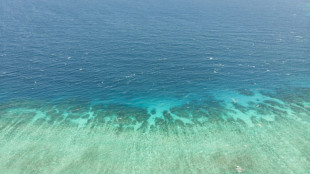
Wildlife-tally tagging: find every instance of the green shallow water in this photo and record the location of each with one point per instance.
(262, 132)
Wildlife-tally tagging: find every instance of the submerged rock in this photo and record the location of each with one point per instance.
(153, 112)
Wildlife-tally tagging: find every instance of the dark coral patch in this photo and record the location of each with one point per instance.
(246, 92)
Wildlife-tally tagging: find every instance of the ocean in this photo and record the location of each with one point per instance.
(145, 86)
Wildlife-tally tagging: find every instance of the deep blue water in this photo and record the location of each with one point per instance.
(141, 50)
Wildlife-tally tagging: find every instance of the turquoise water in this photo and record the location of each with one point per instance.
(154, 86)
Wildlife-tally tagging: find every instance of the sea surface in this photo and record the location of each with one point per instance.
(154, 86)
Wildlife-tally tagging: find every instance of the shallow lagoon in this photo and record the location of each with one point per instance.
(270, 134)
